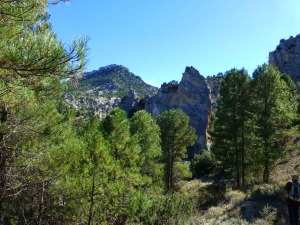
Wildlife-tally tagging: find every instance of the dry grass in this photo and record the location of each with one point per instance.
(221, 212)
(229, 213)
(286, 167)
(259, 206)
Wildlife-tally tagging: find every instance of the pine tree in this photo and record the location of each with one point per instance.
(231, 127)
(176, 135)
(125, 151)
(275, 107)
(146, 131)
(32, 63)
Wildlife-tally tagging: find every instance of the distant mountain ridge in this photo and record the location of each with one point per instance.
(98, 91)
(117, 75)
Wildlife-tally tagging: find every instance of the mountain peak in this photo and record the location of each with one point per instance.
(107, 69)
(192, 76)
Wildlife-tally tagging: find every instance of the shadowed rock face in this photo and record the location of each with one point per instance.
(132, 103)
(286, 57)
(192, 95)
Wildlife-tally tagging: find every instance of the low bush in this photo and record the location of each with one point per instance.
(266, 192)
(203, 164)
(234, 197)
(167, 209)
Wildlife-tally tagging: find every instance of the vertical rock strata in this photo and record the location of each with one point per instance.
(192, 95)
(286, 57)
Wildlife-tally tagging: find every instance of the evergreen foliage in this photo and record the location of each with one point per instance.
(176, 135)
(231, 126)
(254, 121)
(32, 63)
(203, 164)
(147, 132)
(275, 108)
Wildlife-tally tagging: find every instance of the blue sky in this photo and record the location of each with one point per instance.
(157, 39)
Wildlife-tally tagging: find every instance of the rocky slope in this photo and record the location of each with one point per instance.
(286, 57)
(112, 86)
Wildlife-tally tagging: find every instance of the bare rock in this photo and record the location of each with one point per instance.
(191, 95)
(286, 57)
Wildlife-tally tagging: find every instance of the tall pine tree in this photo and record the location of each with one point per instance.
(176, 136)
(275, 107)
(146, 131)
(230, 136)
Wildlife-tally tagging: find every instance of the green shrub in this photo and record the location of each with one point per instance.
(268, 215)
(171, 209)
(159, 209)
(203, 164)
(266, 192)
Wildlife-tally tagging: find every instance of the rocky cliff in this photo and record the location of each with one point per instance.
(286, 57)
(192, 95)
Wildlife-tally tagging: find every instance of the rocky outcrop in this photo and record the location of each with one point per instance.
(286, 57)
(192, 95)
(131, 103)
(214, 84)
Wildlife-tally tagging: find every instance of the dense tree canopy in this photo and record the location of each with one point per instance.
(253, 121)
(146, 131)
(32, 63)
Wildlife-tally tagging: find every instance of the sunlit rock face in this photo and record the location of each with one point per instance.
(286, 57)
(192, 95)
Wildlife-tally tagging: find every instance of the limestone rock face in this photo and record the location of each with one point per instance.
(131, 103)
(192, 95)
(286, 57)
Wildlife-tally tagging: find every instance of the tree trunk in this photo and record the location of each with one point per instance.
(238, 184)
(266, 172)
(169, 172)
(3, 157)
(92, 200)
(237, 156)
(243, 155)
(167, 175)
(172, 174)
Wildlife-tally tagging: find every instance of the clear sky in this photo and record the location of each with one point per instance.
(157, 39)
